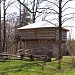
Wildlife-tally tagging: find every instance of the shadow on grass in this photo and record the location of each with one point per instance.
(38, 68)
(18, 68)
(3, 73)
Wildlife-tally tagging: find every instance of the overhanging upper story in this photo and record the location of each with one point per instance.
(42, 30)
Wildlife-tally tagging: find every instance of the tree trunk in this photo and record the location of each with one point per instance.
(60, 34)
(0, 29)
(4, 41)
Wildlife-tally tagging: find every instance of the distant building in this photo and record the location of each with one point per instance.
(41, 38)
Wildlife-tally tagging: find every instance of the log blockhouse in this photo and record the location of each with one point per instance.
(41, 38)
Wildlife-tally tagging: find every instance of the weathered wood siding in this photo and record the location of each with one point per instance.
(27, 34)
(64, 35)
(38, 34)
(43, 33)
(42, 47)
(46, 33)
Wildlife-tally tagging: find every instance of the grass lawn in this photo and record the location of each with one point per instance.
(20, 67)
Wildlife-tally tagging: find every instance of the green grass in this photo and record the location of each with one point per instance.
(19, 67)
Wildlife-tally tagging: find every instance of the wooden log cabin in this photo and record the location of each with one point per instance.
(41, 38)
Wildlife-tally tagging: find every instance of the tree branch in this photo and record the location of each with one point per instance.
(68, 14)
(25, 6)
(9, 5)
(53, 3)
(51, 22)
(66, 19)
(68, 8)
(65, 3)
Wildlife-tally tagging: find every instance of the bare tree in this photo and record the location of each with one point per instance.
(61, 9)
(71, 49)
(5, 8)
(11, 21)
(0, 29)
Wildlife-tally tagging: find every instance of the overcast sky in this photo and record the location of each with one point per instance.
(15, 8)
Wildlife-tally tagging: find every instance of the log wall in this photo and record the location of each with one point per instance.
(43, 33)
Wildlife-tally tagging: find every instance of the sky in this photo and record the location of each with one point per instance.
(69, 24)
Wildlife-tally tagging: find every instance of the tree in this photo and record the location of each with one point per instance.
(11, 21)
(0, 29)
(5, 8)
(60, 21)
(71, 49)
(25, 17)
